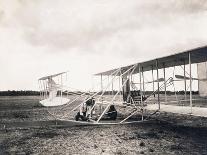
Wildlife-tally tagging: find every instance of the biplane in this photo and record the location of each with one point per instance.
(130, 89)
(49, 90)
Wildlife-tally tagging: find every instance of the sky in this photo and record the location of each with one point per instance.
(43, 37)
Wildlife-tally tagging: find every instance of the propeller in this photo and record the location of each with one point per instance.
(188, 78)
(158, 80)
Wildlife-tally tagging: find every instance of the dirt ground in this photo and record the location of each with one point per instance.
(164, 134)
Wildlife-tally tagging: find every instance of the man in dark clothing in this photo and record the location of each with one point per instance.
(112, 113)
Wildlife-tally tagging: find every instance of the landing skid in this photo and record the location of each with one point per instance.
(94, 123)
(62, 124)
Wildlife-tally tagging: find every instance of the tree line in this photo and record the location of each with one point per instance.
(37, 93)
(19, 93)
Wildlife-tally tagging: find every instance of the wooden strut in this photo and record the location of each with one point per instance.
(141, 98)
(42, 89)
(190, 83)
(61, 91)
(185, 82)
(174, 87)
(108, 81)
(42, 85)
(117, 71)
(133, 68)
(141, 92)
(119, 88)
(80, 97)
(129, 116)
(103, 91)
(165, 82)
(112, 87)
(143, 82)
(158, 85)
(77, 99)
(45, 90)
(101, 86)
(39, 82)
(153, 83)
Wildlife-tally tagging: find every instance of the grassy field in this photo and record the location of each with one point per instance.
(165, 134)
(21, 102)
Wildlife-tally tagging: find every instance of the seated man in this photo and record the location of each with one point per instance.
(112, 113)
(85, 110)
(82, 113)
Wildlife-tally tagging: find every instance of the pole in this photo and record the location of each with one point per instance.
(133, 68)
(40, 85)
(109, 93)
(153, 82)
(158, 86)
(185, 81)
(119, 89)
(190, 82)
(143, 82)
(165, 82)
(101, 87)
(112, 87)
(141, 94)
(61, 88)
(44, 90)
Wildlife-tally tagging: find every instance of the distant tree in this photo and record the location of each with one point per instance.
(19, 93)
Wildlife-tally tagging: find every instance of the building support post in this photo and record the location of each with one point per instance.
(191, 104)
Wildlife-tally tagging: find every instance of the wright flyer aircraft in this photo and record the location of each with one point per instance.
(158, 67)
(141, 90)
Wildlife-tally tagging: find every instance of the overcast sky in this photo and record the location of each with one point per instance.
(42, 37)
